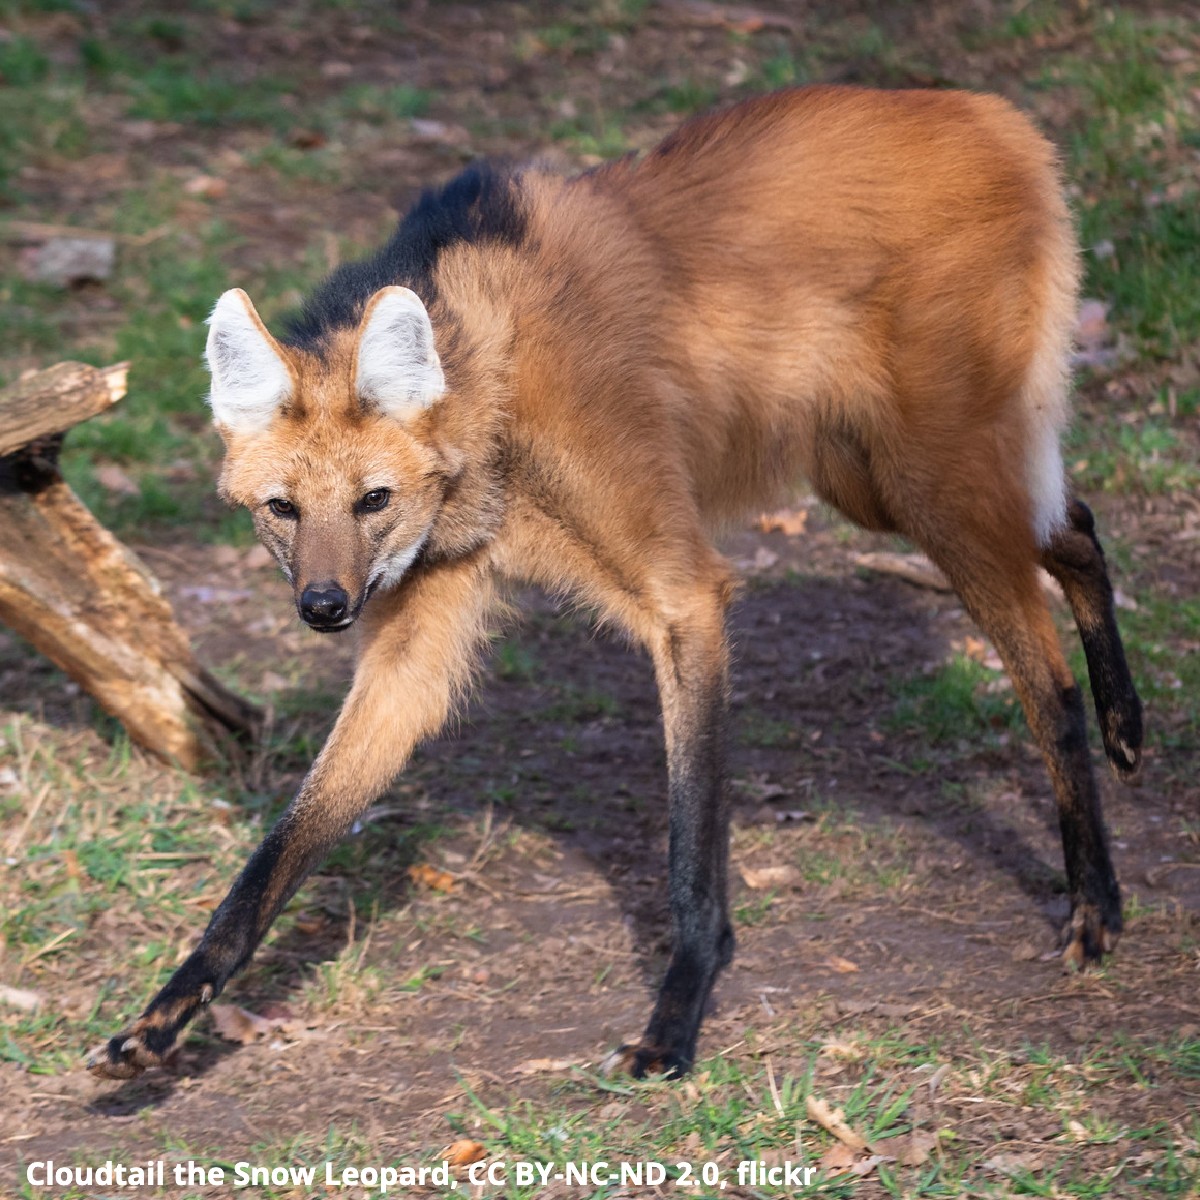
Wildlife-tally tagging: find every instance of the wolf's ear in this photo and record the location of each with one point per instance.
(398, 370)
(250, 380)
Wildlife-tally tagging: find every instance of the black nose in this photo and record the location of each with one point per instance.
(324, 605)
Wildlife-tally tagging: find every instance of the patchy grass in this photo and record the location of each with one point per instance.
(1163, 639)
(207, 97)
(1131, 156)
(961, 699)
(755, 1108)
(103, 832)
(94, 833)
(757, 728)
(1134, 454)
(576, 704)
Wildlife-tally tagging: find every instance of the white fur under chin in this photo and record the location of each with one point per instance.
(249, 379)
(388, 573)
(399, 371)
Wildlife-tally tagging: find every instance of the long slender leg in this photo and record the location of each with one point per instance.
(1075, 559)
(1006, 601)
(419, 650)
(691, 664)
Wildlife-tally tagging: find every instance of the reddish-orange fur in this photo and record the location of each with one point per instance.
(869, 290)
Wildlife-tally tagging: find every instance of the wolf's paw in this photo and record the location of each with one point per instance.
(1126, 763)
(641, 1061)
(1121, 729)
(1124, 750)
(125, 1056)
(148, 1042)
(1088, 937)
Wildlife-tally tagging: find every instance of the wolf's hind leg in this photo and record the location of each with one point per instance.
(1075, 559)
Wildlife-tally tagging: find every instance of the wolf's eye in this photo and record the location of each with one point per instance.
(374, 500)
(282, 508)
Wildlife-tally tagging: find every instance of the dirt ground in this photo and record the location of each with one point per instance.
(941, 916)
(918, 889)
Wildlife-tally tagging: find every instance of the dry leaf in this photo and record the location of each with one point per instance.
(792, 521)
(463, 1152)
(761, 787)
(843, 966)
(307, 139)
(237, 1024)
(310, 923)
(110, 477)
(210, 187)
(1094, 337)
(206, 186)
(241, 1025)
(425, 875)
(1092, 331)
(975, 648)
(740, 18)
(439, 132)
(936, 1079)
(1015, 1163)
(842, 1050)
(909, 1149)
(833, 1120)
(22, 998)
(865, 1166)
(761, 878)
(539, 1066)
(836, 1159)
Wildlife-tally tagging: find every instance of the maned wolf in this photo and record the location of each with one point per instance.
(573, 382)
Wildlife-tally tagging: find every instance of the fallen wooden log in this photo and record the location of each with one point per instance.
(56, 400)
(83, 599)
(917, 569)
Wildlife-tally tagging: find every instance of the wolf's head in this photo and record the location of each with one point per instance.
(336, 456)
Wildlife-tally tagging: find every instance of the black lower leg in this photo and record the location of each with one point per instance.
(702, 937)
(1095, 895)
(265, 885)
(1076, 559)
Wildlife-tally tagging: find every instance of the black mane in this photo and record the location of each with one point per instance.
(478, 205)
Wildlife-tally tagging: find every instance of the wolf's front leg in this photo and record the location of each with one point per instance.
(691, 662)
(419, 649)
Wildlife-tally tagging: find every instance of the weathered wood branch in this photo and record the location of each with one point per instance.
(40, 231)
(86, 601)
(56, 400)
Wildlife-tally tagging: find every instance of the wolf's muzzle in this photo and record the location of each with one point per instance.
(325, 606)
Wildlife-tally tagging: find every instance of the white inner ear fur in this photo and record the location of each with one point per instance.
(398, 369)
(250, 381)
